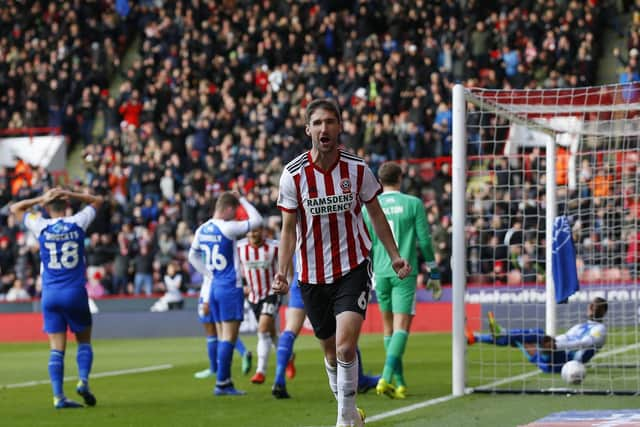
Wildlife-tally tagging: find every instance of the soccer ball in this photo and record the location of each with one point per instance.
(573, 372)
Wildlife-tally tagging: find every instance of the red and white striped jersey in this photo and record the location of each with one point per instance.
(259, 266)
(331, 236)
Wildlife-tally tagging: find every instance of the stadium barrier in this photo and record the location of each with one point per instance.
(25, 327)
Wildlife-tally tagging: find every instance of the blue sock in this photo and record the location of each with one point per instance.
(513, 337)
(212, 351)
(283, 354)
(225, 357)
(84, 358)
(488, 339)
(240, 348)
(56, 371)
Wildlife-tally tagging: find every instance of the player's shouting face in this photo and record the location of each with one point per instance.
(324, 129)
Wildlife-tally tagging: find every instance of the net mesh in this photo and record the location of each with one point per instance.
(595, 132)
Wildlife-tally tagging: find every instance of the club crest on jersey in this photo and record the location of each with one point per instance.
(345, 184)
(59, 227)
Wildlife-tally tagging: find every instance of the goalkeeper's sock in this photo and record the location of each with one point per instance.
(398, 375)
(394, 353)
(212, 352)
(386, 341)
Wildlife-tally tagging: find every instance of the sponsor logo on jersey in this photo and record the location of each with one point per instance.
(329, 204)
(257, 265)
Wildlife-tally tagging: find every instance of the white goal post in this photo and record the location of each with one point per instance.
(521, 160)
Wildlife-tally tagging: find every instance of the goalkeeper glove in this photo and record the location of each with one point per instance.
(434, 282)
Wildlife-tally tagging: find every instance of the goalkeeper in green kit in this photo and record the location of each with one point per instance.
(396, 297)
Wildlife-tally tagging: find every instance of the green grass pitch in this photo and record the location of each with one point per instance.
(172, 397)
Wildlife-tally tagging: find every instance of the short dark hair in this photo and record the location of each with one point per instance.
(600, 308)
(322, 104)
(390, 173)
(57, 205)
(226, 199)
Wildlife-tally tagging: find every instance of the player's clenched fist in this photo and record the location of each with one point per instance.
(401, 267)
(280, 284)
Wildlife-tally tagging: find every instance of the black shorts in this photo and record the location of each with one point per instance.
(324, 302)
(267, 306)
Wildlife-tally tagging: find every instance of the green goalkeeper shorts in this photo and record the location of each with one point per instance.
(395, 295)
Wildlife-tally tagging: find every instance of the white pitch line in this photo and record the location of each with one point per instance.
(98, 375)
(431, 402)
(410, 408)
(443, 399)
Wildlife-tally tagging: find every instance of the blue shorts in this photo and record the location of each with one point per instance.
(225, 305)
(295, 298)
(65, 307)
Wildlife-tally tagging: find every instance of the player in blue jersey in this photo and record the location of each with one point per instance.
(213, 253)
(581, 342)
(212, 338)
(65, 303)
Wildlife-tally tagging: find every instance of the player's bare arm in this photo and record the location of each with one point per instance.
(95, 201)
(19, 208)
(280, 283)
(383, 231)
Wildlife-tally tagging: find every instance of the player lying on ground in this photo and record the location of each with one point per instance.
(581, 342)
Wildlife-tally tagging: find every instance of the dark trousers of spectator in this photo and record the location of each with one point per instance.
(119, 284)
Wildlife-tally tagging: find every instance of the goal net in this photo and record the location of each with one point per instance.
(522, 160)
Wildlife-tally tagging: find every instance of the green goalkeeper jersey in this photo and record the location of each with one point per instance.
(408, 223)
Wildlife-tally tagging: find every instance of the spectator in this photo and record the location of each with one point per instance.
(122, 265)
(172, 282)
(214, 91)
(143, 267)
(17, 292)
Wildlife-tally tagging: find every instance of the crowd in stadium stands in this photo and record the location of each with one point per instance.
(215, 100)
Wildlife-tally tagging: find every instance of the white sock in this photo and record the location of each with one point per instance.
(347, 390)
(264, 347)
(332, 373)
